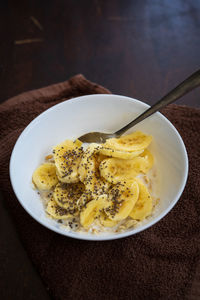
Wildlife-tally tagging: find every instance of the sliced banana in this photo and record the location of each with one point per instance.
(105, 221)
(98, 183)
(122, 198)
(132, 142)
(87, 166)
(89, 170)
(67, 157)
(98, 186)
(56, 211)
(143, 206)
(99, 157)
(148, 161)
(45, 177)
(143, 163)
(92, 210)
(120, 154)
(83, 200)
(115, 170)
(66, 195)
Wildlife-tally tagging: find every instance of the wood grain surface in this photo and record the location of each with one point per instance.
(139, 48)
(136, 48)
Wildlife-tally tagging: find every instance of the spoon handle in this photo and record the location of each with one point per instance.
(183, 88)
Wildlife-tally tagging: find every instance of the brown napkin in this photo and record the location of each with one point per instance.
(159, 263)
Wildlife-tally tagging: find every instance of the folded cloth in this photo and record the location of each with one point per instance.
(159, 263)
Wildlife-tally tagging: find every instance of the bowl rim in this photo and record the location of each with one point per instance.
(107, 236)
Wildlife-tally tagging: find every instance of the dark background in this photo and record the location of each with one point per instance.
(140, 48)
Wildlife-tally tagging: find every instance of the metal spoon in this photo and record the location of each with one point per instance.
(183, 88)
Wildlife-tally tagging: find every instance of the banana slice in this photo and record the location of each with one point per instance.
(115, 170)
(93, 210)
(99, 157)
(148, 161)
(89, 170)
(143, 206)
(87, 166)
(45, 177)
(119, 154)
(122, 198)
(98, 186)
(56, 211)
(143, 163)
(66, 195)
(132, 142)
(105, 221)
(83, 200)
(67, 157)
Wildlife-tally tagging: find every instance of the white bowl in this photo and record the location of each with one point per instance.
(104, 113)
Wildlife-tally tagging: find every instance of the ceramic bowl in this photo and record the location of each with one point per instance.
(105, 113)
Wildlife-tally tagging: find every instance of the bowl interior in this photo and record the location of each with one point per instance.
(104, 113)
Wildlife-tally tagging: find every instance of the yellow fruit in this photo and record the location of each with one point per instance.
(83, 200)
(56, 211)
(99, 157)
(67, 157)
(122, 198)
(115, 169)
(120, 154)
(89, 171)
(78, 143)
(87, 166)
(143, 163)
(45, 177)
(92, 210)
(132, 142)
(143, 206)
(98, 186)
(98, 183)
(148, 161)
(105, 221)
(66, 195)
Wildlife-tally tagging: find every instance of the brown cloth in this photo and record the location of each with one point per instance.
(159, 263)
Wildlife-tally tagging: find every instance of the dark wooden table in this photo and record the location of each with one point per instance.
(138, 48)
